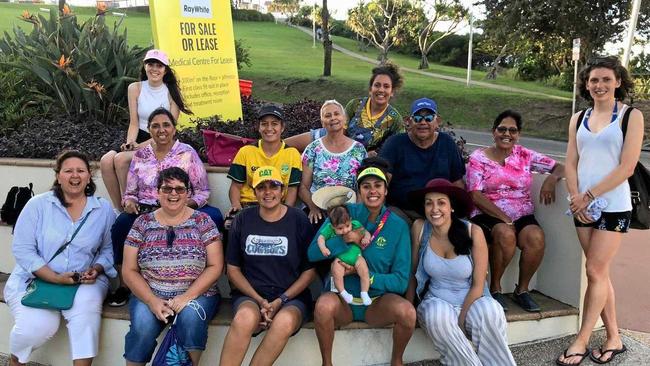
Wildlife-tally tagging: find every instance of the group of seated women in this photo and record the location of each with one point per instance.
(169, 241)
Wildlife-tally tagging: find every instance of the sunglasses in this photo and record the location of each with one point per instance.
(429, 118)
(503, 129)
(178, 190)
(171, 236)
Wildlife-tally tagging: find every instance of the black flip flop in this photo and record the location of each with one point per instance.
(614, 352)
(581, 355)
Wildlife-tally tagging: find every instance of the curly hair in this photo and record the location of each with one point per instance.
(607, 62)
(390, 70)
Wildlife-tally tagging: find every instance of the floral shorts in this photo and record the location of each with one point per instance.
(610, 221)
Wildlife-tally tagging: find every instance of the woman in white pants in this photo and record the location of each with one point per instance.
(450, 272)
(47, 222)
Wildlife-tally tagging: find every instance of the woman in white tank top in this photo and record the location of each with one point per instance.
(158, 88)
(598, 162)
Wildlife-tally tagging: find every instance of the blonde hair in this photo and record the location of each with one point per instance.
(333, 102)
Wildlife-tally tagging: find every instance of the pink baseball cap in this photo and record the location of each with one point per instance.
(157, 55)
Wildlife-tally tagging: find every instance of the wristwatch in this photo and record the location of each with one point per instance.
(284, 298)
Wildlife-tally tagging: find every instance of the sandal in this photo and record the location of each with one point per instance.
(581, 355)
(614, 352)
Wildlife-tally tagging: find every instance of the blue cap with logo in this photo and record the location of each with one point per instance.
(423, 103)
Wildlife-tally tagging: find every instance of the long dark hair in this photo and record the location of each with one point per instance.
(608, 62)
(172, 85)
(56, 187)
(459, 236)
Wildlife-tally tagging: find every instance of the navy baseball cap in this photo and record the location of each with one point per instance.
(272, 111)
(423, 103)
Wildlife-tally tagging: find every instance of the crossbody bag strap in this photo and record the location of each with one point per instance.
(626, 119)
(378, 229)
(65, 245)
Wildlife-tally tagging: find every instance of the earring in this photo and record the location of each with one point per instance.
(452, 210)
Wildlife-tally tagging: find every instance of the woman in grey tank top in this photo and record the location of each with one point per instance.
(599, 160)
(450, 281)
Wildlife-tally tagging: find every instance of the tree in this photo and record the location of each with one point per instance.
(285, 7)
(539, 34)
(435, 13)
(327, 42)
(382, 22)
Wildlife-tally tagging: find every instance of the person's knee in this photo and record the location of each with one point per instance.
(534, 240)
(246, 319)
(504, 236)
(337, 269)
(405, 312)
(284, 324)
(122, 160)
(596, 270)
(25, 334)
(326, 308)
(107, 161)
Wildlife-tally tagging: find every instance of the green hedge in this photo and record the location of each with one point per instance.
(251, 15)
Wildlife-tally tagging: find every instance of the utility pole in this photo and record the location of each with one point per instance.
(313, 25)
(634, 17)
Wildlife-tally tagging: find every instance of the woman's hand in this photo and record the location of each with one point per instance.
(178, 303)
(90, 275)
(68, 278)
(461, 320)
(132, 207)
(579, 202)
(582, 217)
(265, 312)
(547, 192)
(129, 146)
(160, 309)
(354, 236)
(315, 214)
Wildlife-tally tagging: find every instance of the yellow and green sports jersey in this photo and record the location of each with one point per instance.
(250, 157)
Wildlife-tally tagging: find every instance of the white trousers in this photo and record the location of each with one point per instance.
(485, 323)
(33, 327)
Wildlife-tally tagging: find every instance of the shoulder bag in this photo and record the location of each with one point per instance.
(54, 296)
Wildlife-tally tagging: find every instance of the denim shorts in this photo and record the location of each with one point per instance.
(192, 331)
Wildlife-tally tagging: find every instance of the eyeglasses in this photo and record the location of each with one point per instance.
(178, 190)
(171, 235)
(429, 118)
(503, 129)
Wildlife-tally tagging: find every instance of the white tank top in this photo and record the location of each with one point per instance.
(600, 153)
(149, 99)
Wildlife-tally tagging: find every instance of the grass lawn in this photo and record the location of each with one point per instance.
(286, 68)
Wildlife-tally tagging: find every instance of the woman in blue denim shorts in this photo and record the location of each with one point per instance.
(172, 259)
(599, 160)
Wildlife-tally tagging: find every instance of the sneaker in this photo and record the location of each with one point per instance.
(119, 298)
(501, 299)
(525, 301)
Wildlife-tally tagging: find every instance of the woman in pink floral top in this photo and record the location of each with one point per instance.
(499, 179)
(141, 195)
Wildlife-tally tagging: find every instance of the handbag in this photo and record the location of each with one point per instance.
(222, 147)
(171, 352)
(46, 295)
(639, 185)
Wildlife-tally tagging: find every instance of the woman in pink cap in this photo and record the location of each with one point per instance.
(158, 88)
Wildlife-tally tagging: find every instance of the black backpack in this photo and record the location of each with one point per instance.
(16, 199)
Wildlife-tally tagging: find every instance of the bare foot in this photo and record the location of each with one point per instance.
(610, 344)
(578, 352)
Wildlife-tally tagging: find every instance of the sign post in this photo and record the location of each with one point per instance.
(575, 57)
(198, 37)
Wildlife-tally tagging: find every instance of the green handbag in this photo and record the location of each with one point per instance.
(46, 295)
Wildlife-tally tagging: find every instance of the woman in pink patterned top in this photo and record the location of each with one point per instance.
(499, 179)
(141, 195)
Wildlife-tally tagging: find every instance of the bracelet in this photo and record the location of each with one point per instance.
(591, 195)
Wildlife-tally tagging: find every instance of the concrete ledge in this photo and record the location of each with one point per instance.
(47, 163)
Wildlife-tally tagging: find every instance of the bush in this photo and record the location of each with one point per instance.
(242, 54)
(249, 15)
(83, 69)
(19, 100)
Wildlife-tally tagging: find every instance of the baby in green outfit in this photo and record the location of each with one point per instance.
(340, 224)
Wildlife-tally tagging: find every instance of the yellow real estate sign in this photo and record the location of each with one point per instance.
(198, 37)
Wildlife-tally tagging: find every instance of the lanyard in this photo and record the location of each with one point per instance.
(378, 229)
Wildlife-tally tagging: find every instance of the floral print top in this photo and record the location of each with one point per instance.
(171, 269)
(333, 169)
(141, 182)
(507, 186)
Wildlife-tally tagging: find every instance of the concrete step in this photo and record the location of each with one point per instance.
(555, 320)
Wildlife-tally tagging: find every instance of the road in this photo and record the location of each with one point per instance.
(629, 270)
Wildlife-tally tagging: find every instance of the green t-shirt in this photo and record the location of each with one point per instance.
(327, 231)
